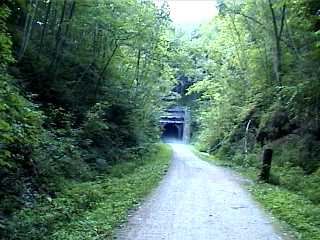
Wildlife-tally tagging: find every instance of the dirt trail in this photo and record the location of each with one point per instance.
(197, 201)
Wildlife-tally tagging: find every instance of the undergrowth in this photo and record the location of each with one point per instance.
(292, 202)
(91, 210)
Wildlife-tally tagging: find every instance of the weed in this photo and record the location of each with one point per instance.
(291, 196)
(91, 210)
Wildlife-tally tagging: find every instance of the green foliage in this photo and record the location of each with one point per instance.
(301, 215)
(5, 41)
(19, 122)
(19, 126)
(240, 62)
(81, 92)
(92, 209)
(258, 85)
(294, 199)
(58, 157)
(96, 127)
(99, 70)
(288, 165)
(117, 57)
(20, 129)
(295, 150)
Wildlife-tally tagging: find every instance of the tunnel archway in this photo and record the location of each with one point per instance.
(175, 125)
(172, 131)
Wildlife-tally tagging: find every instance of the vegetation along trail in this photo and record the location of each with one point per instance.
(88, 88)
(197, 200)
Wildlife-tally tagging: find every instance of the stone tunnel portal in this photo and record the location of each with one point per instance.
(175, 125)
(172, 131)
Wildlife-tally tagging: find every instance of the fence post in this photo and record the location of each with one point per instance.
(266, 165)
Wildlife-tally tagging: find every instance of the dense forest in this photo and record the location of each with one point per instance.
(255, 77)
(253, 84)
(81, 89)
(84, 83)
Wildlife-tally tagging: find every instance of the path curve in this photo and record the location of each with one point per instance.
(197, 201)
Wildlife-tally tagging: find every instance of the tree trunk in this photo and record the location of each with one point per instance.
(246, 137)
(266, 165)
(44, 28)
(277, 31)
(58, 38)
(73, 5)
(27, 30)
(101, 75)
(138, 67)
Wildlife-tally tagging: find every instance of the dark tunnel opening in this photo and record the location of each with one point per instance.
(172, 131)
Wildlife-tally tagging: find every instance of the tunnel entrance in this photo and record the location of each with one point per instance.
(174, 124)
(172, 131)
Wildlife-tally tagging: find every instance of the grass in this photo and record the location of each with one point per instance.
(301, 215)
(92, 210)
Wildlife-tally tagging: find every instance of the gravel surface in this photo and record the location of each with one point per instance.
(199, 201)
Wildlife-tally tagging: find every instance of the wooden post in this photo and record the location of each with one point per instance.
(266, 165)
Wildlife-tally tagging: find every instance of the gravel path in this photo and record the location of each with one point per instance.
(197, 201)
